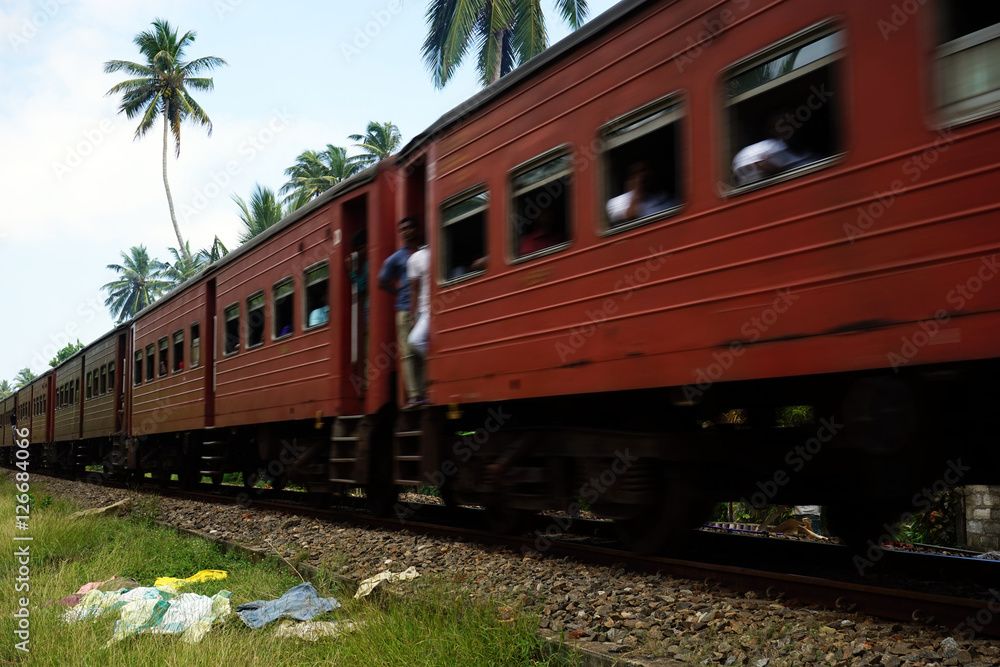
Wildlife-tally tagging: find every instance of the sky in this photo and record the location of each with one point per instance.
(77, 189)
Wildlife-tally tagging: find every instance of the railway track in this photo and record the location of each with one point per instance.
(741, 563)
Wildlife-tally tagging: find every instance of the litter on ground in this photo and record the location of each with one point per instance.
(204, 575)
(369, 584)
(188, 614)
(314, 630)
(301, 602)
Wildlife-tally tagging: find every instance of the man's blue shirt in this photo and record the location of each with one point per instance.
(394, 268)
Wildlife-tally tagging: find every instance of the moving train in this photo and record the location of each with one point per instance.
(683, 209)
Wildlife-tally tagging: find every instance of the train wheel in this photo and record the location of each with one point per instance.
(666, 523)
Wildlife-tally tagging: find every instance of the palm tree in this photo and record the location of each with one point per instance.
(138, 285)
(5, 389)
(161, 89)
(213, 253)
(184, 265)
(337, 163)
(507, 32)
(316, 172)
(308, 178)
(263, 211)
(379, 141)
(23, 377)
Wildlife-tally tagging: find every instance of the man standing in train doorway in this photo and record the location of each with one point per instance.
(393, 279)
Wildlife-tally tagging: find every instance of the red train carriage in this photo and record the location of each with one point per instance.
(682, 210)
(33, 403)
(247, 367)
(7, 437)
(853, 264)
(168, 380)
(68, 409)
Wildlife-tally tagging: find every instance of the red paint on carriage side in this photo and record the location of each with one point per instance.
(7, 435)
(99, 418)
(291, 376)
(67, 405)
(654, 305)
(39, 406)
(174, 400)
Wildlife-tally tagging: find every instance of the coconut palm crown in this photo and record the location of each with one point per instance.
(160, 88)
(138, 285)
(379, 141)
(507, 33)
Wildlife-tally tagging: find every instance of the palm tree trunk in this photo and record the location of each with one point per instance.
(495, 65)
(170, 199)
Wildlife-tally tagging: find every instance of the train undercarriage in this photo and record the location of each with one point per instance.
(870, 447)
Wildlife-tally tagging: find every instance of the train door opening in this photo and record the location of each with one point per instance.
(354, 227)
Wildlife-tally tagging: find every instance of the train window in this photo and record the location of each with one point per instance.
(150, 363)
(178, 351)
(255, 320)
(232, 332)
(642, 164)
(138, 368)
(95, 389)
(968, 60)
(76, 392)
(90, 393)
(111, 377)
(540, 207)
(463, 234)
(195, 345)
(104, 380)
(284, 293)
(317, 308)
(163, 363)
(781, 108)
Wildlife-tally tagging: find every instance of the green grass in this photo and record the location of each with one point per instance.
(427, 624)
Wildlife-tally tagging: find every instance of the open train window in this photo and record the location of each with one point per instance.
(111, 376)
(195, 345)
(540, 206)
(642, 164)
(104, 380)
(96, 388)
(968, 60)
(137, 380)
(178, 351)
(284, 301)
(76, 392)
(163, 363)
(90, 393)
(255, 320)
(317, 308)
(781, 108)
(150, 363)
(232, 330)
(463, 234)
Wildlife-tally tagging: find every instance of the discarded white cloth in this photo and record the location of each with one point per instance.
(301, 602)
(188, 613)
(369, 584)
(314, 630)
(97, 602)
